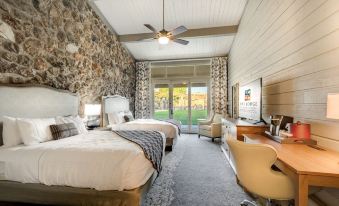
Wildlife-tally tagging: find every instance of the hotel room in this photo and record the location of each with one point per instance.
(169, 102)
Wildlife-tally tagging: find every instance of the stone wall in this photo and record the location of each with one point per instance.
(63, 44)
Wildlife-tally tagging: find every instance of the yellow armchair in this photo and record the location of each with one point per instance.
(211, 128)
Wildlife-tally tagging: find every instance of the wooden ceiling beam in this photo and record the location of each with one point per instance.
(191, 33)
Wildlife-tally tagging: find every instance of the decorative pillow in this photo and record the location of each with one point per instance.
(34, 131)
(60, 131)
(128, 116)
(76, 120)
(10, 132)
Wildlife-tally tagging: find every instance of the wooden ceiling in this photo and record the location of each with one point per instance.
(212, 25)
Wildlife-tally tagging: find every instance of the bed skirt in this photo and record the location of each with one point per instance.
(62, 195)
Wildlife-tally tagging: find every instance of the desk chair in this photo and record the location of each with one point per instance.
(253, 166)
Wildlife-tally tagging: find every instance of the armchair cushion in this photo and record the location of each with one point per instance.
(212, 127)
(212, 130)
(205, 122)
(205, 127)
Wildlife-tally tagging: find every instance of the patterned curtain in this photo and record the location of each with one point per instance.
(143, 91)
(219, 85)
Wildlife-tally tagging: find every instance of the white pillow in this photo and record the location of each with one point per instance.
(121, 118)
(76, 120)
(116, 118)
(10, 132)
(34, 131)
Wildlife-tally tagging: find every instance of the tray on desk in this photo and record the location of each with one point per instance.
(290, 140)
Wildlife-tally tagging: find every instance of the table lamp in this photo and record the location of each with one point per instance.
(333, 106)
(92, 112)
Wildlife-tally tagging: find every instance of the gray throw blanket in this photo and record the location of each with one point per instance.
(175, 123)
(151, 143)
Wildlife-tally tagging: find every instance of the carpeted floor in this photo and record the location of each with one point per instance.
(195, 173)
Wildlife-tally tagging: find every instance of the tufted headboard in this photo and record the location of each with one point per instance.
(110, 104)
(35, 101)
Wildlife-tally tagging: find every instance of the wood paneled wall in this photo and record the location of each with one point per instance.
(294, 46)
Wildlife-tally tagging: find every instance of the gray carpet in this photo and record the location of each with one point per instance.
(195, 173)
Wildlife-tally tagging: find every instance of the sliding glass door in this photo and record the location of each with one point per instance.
(184, 102)
(161, 101)
(199, 104)
(180, 111)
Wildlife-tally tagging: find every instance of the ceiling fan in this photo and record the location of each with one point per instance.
(165, 36)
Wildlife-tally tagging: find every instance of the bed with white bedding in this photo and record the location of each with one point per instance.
(170, 130)
(115, 108)
(93, 168)
(101, 160)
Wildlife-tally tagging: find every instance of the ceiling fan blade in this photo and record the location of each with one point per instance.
(150, 28)
(179, 30)
(181, 41)
(146, 40)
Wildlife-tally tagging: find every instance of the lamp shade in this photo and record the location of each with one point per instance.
(301, 130)
(92, 109)
(333, 106)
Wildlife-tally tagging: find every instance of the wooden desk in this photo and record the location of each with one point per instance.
(306, 166)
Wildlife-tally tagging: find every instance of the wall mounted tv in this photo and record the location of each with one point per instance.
(250, 101)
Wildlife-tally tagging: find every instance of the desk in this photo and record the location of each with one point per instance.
(306, 166)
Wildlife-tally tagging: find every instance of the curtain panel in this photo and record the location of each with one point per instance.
(143, 90)
(219, 85)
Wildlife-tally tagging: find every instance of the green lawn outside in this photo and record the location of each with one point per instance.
(182, 115)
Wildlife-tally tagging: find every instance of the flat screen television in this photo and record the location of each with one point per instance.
(250, 101)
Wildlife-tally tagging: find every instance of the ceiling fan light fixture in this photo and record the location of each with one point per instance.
(165, 36)
(163, 40)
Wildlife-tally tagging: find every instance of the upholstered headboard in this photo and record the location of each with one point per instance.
(111, 104)
(35, 101)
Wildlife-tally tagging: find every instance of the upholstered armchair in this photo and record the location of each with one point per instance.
(211, 128)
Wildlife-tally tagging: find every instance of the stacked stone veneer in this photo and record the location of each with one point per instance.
(63, 44)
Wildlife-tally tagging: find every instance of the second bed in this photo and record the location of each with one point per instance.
(119, 106)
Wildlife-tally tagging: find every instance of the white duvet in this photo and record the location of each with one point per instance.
(100, 159)
(170, 130)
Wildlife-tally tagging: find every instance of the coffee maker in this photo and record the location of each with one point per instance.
(279, 122)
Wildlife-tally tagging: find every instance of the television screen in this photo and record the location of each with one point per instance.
(250, 101)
